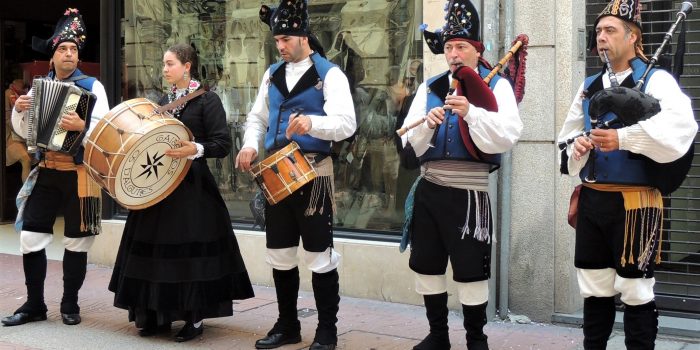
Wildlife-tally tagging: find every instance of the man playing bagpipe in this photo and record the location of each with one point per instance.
(620, 209)
(458, 135)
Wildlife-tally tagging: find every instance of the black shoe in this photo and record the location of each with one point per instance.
(71, 319)
(434, 342)
(22, 318)
(319, 346)
(276, 340)
(189, 332)
(150, 331)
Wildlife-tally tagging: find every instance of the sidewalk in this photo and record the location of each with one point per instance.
(363, 324)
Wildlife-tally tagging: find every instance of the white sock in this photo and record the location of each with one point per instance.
(198, 324)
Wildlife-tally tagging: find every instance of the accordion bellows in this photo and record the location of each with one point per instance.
(51, 100)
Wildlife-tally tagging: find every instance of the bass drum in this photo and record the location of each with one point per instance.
(125, 153)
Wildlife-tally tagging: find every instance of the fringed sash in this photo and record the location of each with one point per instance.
(644, 214)
(89, 192)
(323, 183)
(23, 195)
(482, 227)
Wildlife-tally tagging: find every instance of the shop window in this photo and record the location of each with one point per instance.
(375, 43)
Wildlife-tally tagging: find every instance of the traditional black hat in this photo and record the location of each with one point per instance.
(462, 23)
(290, 18)
(70, 27)
(626, 10)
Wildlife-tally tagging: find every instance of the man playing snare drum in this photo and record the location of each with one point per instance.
(60, 183)
(306, 99)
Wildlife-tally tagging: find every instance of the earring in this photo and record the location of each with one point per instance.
(185, 76)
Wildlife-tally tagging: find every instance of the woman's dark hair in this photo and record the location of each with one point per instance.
(186, 53)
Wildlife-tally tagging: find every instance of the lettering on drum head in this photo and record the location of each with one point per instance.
(147, 171)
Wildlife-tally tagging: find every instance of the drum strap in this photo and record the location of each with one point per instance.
(180, 101)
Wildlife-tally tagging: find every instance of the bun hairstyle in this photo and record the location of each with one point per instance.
(186, 53)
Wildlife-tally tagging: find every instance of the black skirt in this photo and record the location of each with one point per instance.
(179, 259)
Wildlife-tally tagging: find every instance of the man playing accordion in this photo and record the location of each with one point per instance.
(458, 145)
(620, 209)
(59, 182)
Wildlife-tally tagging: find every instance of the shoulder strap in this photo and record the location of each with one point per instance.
(77, 77)
(180, 101)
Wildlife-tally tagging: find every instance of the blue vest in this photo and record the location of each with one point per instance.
(85, 83)
(616, 167)
(449, 145)
(306, 98)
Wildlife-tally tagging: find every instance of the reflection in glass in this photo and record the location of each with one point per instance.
(374, 42)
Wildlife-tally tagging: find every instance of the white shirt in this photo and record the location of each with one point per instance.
(339, 122)
(100, 109)
(664, 137)
(492, 132)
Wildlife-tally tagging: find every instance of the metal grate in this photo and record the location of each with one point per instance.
(678, 276)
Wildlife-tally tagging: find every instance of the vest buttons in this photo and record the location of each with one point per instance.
(449, 140)
(448, 153)
(450, 126)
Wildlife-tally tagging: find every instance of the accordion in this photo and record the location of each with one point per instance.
(51, 100)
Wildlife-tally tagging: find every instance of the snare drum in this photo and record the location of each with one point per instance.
(125, 153)
(282, 173)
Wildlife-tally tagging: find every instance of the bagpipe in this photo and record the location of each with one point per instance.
(630, 106)
(467, 82)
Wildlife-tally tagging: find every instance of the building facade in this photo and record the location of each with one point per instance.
(379, 46)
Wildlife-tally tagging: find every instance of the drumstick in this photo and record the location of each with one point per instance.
(291, 117)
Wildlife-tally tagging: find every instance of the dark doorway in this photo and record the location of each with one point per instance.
(19, 22)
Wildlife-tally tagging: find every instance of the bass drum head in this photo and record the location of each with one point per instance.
(146, 175)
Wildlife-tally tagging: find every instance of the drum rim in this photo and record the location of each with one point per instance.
(111, 180)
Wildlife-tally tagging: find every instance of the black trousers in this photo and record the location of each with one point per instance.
(600, 235)
(439, 214)
(287, 221)
(55, 191)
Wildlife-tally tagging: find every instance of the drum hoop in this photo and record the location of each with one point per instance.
(125, 136)
(261, 166)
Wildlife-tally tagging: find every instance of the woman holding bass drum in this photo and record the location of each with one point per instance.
(179, 259)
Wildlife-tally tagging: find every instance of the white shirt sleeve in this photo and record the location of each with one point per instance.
(339, 122)
(666, 136)
(19, 119)
(496, 132)
(573, 126)
(258, 118)
(100, 109)
(492, 132)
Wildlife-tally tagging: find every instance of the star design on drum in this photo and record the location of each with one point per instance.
(151, 165)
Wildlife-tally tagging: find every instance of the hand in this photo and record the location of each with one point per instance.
(299, 124)
(458, 104)
(245, 157)
(582, 145)
(605, 139)
(184, 149)
(23, 103)
(72, 122)
(435, 117)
